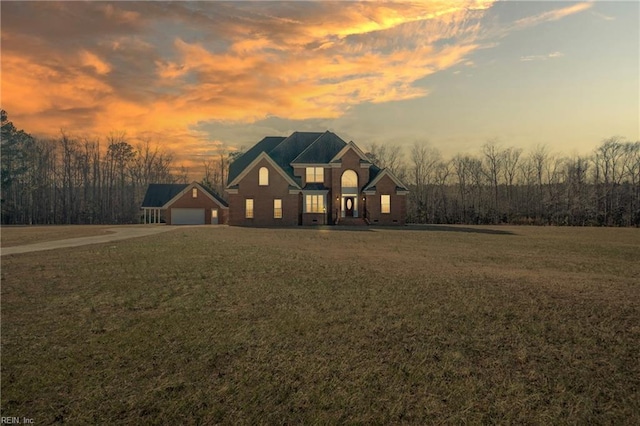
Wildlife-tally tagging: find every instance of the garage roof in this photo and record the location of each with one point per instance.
(159, 194)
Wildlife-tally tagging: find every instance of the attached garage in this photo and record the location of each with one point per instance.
(182, 204)
(187, 216)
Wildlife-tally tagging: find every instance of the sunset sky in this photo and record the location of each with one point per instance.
(191, 76)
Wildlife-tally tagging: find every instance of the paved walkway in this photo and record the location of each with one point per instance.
(117, 234)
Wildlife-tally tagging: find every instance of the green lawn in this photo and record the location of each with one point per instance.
(261, 326)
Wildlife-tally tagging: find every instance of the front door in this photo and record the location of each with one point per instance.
(348, 206)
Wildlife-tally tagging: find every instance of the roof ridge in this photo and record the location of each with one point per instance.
(310, 145)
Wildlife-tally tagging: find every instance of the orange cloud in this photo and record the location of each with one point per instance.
(89, 59)
(223, 61)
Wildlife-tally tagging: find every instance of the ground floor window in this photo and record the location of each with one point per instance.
(248, 208)
(314, 203)
(277, 208)
(385, 204)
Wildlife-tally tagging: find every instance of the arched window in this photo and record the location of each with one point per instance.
(349, 179)
(264, 176)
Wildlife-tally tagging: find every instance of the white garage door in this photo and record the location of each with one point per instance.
(187, 216)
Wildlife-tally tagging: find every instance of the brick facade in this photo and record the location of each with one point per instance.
(263, 196)
(291, 187)
(349, 161)
(398, 211)
(186, 201)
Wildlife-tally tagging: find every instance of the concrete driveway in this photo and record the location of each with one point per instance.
(118, 233)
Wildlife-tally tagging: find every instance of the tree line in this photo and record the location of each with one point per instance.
(506, 185)
(69, 180)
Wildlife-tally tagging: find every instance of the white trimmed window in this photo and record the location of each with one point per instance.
(385, 204)
(264, 177)
(248, 208)
(277, 208)
(349, 180)
(314, 203)
(194, 193)
(315, 174)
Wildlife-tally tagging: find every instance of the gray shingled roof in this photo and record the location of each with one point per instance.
(281, 150)
(159, 193)
(314, 187)
(373, 172)
(322, 150)
(290, 148)
(265, 145)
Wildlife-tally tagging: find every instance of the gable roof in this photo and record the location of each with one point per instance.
(322, 150)
(385, 172)
(301, 148)
(354, 147)
(280, 149)
(241, 163)
(159, 193)
(264, 156)
(206, 191)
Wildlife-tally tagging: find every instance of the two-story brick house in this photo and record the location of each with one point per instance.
(312, 178)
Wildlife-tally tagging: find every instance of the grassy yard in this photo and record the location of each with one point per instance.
(298, 326)
(20, 235)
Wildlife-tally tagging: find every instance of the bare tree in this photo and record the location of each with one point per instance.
(442, 174)
(632, 166)
(609, 162)
(494, 161)
(511, 156)
(423, 162)
(388, 156)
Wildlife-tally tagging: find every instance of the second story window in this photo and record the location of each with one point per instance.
(264, 177)
(315, 174)
(194, 193)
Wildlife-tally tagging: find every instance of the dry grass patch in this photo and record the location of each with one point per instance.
(21, 235)
(253, 326)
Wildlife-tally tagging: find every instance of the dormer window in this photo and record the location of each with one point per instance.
(264, 177)
(315, 174)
